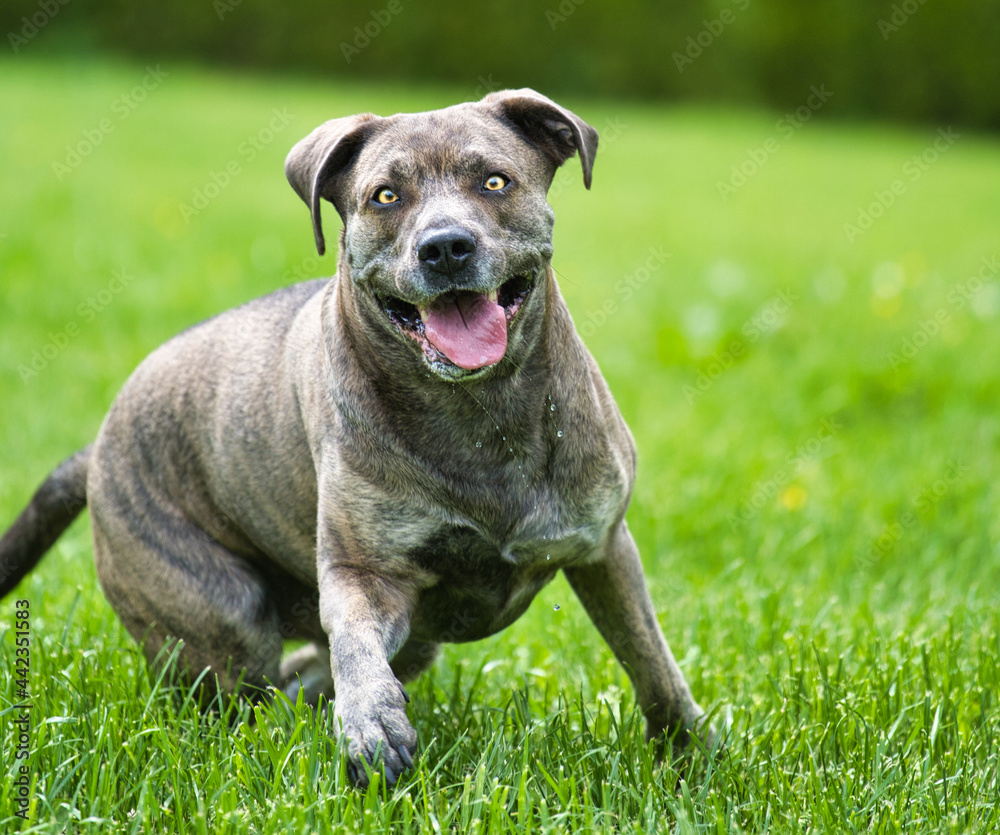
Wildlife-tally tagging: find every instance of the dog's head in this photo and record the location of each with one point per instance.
(447, 231)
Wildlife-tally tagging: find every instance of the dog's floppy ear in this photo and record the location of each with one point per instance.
(315, 164)
(557, 131)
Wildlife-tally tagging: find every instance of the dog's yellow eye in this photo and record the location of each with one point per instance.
(386, 195)
(495, 182)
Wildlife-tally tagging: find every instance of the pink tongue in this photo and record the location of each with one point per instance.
(467, 328)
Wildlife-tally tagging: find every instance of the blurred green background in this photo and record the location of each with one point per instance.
(913, 59)
(788, 270)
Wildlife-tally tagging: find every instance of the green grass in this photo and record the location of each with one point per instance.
(819, 524)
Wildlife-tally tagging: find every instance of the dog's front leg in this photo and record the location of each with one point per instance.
(613, 591)
(367, 617)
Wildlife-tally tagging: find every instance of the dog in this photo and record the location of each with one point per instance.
(376, 463)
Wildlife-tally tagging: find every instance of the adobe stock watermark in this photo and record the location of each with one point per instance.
(786, 126)
(901, 14)
(913, 169)
(305, 270)
(121, 108)
(768, 317)
(364, 35)
(224, 7)
(486, 84)
(562, 12)
(768, 489)
(695, 45)
(961, 295)
(624, 289)
(921, 504)
(86, 311)
(246, 151)
(47, 9)
(20, 792)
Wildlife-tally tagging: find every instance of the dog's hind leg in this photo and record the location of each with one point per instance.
(168, 579)
(308, 669)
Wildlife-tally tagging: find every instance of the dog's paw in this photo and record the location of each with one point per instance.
(377, 729)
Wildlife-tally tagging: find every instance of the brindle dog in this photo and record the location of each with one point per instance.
(398, 456)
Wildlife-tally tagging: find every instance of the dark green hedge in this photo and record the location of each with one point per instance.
(926, 60)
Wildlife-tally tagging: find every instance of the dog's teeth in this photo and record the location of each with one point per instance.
(493, 295)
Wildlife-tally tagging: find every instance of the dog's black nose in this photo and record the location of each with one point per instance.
(446, 251)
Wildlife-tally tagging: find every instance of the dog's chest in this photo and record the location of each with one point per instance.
(479, 584)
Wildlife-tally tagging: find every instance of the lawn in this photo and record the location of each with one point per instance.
(800, 320)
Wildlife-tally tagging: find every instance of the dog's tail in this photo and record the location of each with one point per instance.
(55, 504)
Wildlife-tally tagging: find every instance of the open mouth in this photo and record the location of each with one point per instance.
(462, 328)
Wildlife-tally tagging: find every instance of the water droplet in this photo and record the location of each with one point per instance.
(548, 556)
(555, 608)
(552, 408)
(559, 433)
(479, 444)
(510, 449)
(504, 437)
